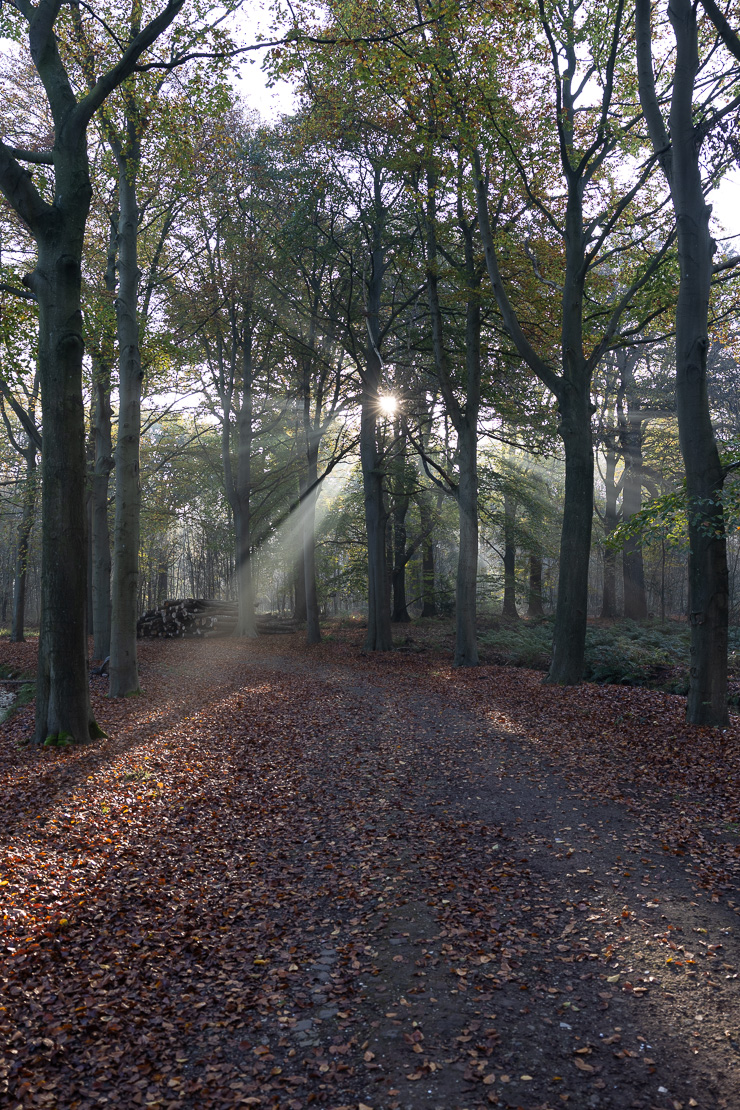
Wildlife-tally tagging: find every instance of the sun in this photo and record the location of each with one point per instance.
(388, 404)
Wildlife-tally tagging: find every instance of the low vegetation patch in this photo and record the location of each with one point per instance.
(624, 653)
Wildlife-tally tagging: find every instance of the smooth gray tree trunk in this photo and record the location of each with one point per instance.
(633, 569)
(242, 492)
(508, 612)
(62, 686)
(299, 586)
(101, 419)
(124, 672)
(28, 517)
(466, 641)
(678, 148)
(611, 519)
(100, 529)
(534, 596)
(571, 610)
(379, 636)
(429, 603)
(400, 612)
(313, 627)
(312, 434)
(464, 417)
(580, 158)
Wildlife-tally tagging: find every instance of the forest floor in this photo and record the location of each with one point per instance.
(297, 878)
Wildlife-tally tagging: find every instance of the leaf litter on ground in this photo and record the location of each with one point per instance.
(327, 879)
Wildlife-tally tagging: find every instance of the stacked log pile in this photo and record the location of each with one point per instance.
(197, 616)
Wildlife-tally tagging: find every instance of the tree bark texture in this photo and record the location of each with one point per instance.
(124, 672)
(466, 641)
(679, 150)
(463, 416)
(509, 612)
(62, 687)
(28, 516)
(58, 228)
(101, 554)
(379, 636)
(247, 623)
(569, 636)
(400, 613)
(299, 586)
(308, 507)
(313, 627)
(611, 519)
(429, 603)
(633, 569)
(102, 415)
(534, 596)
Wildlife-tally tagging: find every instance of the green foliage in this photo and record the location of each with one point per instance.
(624, 653)
(521, 645)
(631, 654)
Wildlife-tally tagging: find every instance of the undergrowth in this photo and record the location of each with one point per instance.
(624, 653)
(22, 695)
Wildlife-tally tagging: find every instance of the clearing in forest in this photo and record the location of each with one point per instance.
(296, 879)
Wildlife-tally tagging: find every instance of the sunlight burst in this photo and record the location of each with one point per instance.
(388, 404)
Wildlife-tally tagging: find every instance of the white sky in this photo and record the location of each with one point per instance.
(270, 103)
(252, 83)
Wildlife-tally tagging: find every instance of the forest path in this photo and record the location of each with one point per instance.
(539, 923)
(334, 881)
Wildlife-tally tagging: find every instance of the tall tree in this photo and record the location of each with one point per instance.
(131, 118)
(461, 392)
(99, 323)
(678, 139)
(593, 215)
(58, 227)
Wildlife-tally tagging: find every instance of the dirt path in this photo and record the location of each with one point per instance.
(349, 889)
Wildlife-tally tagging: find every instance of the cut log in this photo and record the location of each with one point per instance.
(204, 617)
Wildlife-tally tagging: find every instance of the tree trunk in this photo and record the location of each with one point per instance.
(101, 558)
(379, 636)
(464, 418)
(633, 570)
(246, 623)
(569, 635)
(102, 415)
(509, 612)
(124, 673)
(299, 586)
(400, 613)
(300, 609)
(611, 519)
(679, 153)
(25, 527)
(534, 599)
(466, 645)
(708, 577)
(313, 627)
(62, 686)
(429, 604)
(163, 576)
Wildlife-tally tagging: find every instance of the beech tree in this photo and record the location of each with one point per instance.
(307, 275)
(19, 390)
(602, 226)
(678, 138)
(57, 224)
